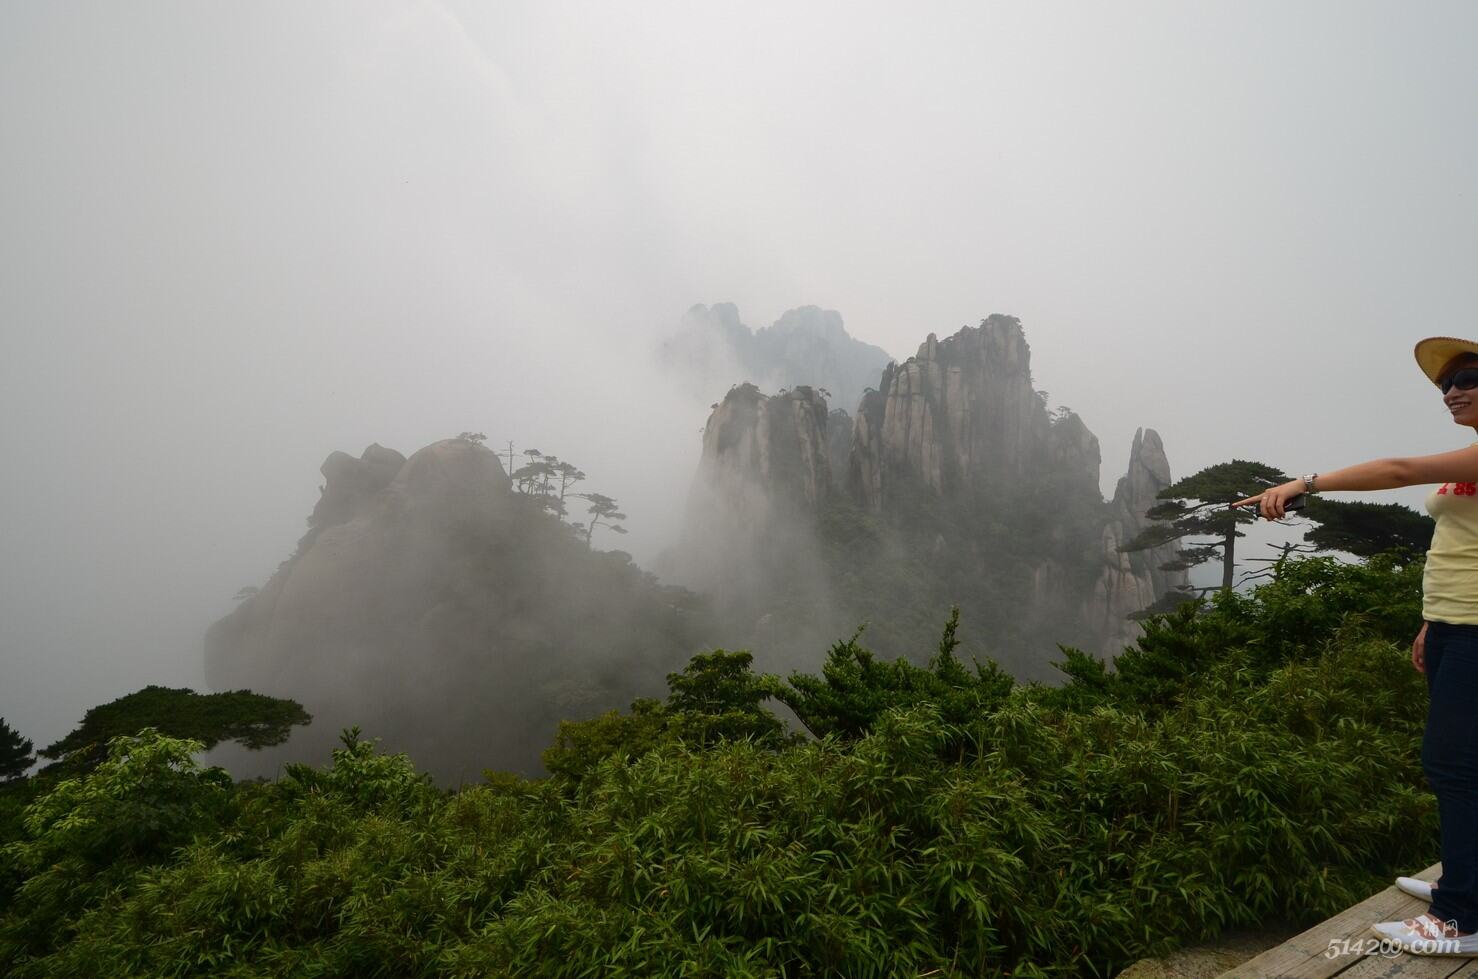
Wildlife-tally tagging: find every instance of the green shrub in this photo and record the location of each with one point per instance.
(855, 688)
(87, 835)
(944, 823)
(717, 697)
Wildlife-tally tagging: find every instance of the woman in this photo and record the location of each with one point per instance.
(1445, 650)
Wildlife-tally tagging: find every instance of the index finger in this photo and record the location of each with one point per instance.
(1250, 499)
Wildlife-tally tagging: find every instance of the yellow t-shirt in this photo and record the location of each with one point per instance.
(1450, 581)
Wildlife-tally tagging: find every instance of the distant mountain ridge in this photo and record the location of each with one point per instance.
(439, 606)
(713, 348)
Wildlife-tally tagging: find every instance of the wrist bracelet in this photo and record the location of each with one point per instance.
(1309, 482)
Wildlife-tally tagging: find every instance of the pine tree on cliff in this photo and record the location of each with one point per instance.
(250, 719)
(1197, 506)
(1368, 529)
(603, 508)
(16, 756)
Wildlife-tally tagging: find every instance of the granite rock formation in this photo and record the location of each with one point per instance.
(1132, 581)
(433, 605)
(359, 571)
(775, 443)
(970, 490)
(349, 483)
(749, 540)
(838, 441)
(1138, 490)
(960, 412)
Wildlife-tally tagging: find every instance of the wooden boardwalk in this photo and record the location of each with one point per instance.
(1345, 946)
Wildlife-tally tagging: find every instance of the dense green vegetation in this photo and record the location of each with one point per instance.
(1252, 758)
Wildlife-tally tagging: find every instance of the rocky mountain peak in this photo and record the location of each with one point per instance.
(808, 322)
(753, 507)
(350, 483)
(1132, 581)
(976, 492)
(960, 413)
(1072, 452)
(1149, 472)
(776, 444)
(437, 606)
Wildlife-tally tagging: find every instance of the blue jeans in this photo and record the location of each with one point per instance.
(1450, 760)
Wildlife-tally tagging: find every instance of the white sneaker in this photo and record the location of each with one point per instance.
(1424, 935)
(1416, 888)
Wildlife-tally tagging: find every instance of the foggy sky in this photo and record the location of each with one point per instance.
(234, 238)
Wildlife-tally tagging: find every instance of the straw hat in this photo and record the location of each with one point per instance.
(1435, 353)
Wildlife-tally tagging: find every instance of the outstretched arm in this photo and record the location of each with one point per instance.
(1458, 466)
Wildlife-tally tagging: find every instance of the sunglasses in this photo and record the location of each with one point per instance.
(1464, 380)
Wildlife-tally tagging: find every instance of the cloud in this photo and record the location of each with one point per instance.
(233, 240)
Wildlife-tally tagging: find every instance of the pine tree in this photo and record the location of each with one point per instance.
(603, 508)
(1197, 505)
(251, 719)
(1367, 529)
(16, 756)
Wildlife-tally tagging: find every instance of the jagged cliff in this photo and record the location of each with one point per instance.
(958, 487)
(1138, 489)
(960, 413)
(749, 541)
(776, 445)
(436, 607)
(1133, 581)
(362, 572)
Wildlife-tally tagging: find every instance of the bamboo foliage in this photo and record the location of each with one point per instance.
(1218, 777)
